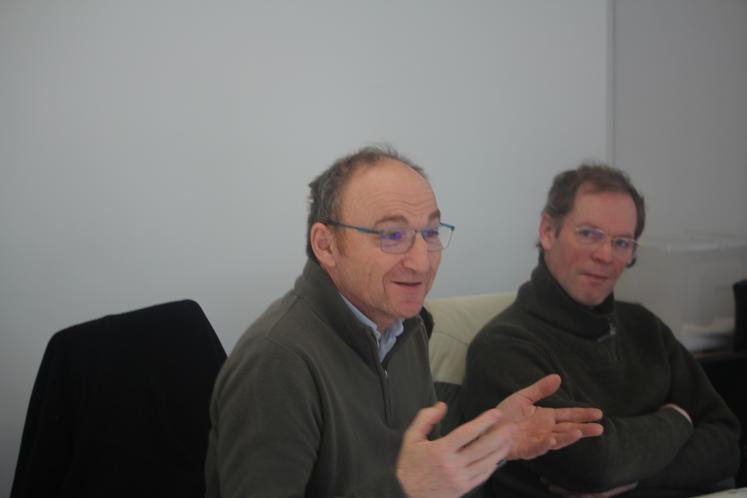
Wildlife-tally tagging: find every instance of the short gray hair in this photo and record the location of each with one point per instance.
(325, 189)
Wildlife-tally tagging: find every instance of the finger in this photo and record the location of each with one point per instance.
(572, 494)
(478, 479)
(587, 429)
(616, 491)
(542, 388)
(577, 414)
(591, 430)
(482, 468)
(491, 446)
(555, 489)
(625, 488)
(563, 439)
(423, 423)
(569, 435)
(468, 432)
(483, 474)
(536, 449)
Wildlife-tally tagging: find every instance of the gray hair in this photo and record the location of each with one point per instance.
(326, 189)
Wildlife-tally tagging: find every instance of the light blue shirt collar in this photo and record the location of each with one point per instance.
(386, 339)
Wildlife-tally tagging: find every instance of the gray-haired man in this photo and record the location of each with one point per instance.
(329, 392)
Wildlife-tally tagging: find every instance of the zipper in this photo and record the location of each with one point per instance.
(383, 376)
(610, 333)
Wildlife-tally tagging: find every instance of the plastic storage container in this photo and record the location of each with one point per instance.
(687, 281)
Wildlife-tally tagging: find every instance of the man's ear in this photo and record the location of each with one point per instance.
(547, 231)
(323, 244)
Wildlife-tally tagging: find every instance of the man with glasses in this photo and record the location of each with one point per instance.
(666, 431)
(329, 392)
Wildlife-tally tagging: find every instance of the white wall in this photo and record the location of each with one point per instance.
(151, 151)
(680, 128)
(680, 117)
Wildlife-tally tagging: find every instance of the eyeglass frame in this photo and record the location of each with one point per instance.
(411, 232)
(629, 256)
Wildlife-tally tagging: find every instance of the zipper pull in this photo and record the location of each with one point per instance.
(610, 334)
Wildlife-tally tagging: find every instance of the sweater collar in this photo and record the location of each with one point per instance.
(544, 297)
(316, 288)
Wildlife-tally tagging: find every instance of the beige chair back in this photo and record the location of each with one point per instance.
(456, 322)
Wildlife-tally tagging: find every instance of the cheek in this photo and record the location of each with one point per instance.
(619, 268)
(435, 258)
(576, 262)
(387, 271)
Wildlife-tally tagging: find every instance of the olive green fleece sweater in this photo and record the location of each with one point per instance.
(620, 358)
(303, 406)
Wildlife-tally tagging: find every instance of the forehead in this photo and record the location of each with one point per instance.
(614, 212)
(387, 189)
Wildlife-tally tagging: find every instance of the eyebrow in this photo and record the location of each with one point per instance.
(435, 215)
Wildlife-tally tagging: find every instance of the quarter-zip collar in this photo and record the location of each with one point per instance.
(385, 339)
(316, 288)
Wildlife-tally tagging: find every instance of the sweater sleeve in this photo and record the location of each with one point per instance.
(711, 453)
(631, 448)
(267, 428)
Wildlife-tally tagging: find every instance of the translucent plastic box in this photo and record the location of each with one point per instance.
(687, 281)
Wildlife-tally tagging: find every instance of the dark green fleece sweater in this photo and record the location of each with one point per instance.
(620, 358)
(304, 407)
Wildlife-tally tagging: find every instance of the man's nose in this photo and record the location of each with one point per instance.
(417, 257)
(603, 252)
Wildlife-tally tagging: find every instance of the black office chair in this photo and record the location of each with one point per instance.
(120, 407)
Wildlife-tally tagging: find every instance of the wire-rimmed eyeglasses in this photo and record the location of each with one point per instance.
(623, 248)
(399, 240)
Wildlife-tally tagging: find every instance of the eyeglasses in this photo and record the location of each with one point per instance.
(623, 248)
(399, 240)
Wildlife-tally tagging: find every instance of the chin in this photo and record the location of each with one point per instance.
(410, 310)
(588, 299)
(596, 300)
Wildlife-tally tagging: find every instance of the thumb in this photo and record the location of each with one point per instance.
(423, 423)
(542, 388)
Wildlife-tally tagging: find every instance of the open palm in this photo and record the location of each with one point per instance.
(543, 429)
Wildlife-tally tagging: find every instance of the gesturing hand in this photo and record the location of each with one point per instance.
(456, 463)
(542, 429)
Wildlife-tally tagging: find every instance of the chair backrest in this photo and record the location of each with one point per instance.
(456, 321)
(740, 315)
(727, 371)
(120, 407)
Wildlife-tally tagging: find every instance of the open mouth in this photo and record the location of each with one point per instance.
(410, 285)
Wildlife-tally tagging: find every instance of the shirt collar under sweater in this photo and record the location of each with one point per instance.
(316, 288)
(543, 297)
